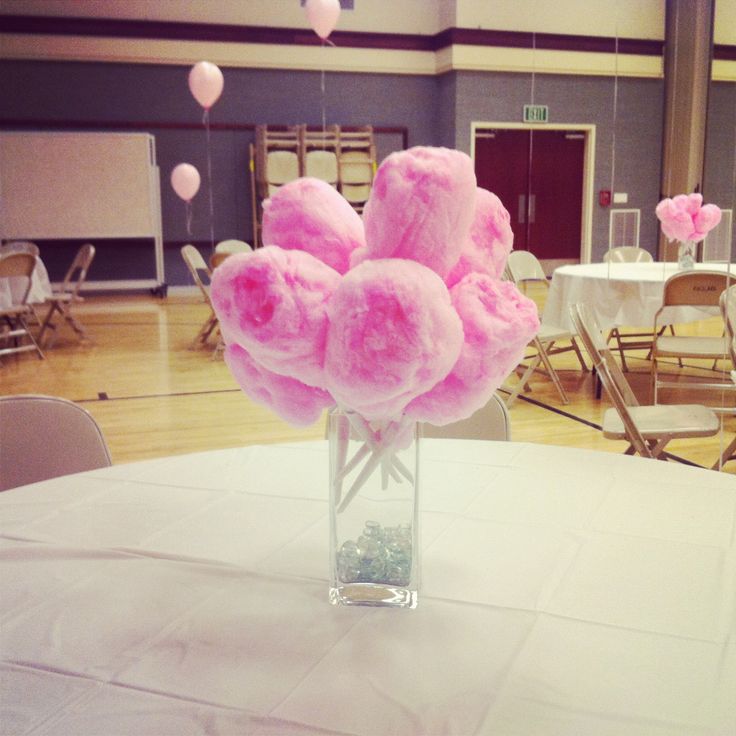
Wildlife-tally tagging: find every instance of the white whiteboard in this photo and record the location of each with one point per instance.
(59, 185)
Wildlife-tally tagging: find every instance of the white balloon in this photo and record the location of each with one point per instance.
(322, 16)
(185, 180)
(206, 83)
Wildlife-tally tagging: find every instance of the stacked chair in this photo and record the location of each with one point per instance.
(345, 159)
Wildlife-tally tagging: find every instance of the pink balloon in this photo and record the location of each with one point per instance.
(206, 83)
(322, 16)
(185, 181)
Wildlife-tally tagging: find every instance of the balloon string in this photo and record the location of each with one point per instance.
(188, 210)
(206, 121)
(323, 96)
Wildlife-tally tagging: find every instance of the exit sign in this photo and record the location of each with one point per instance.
(536, 114)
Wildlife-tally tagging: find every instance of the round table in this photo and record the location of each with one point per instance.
(564, 591)
(621, 294)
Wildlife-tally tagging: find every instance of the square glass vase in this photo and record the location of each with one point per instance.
(374, 484)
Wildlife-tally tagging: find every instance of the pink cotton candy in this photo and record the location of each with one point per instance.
(308, 214)
(498, 322)
(490, 241)
(420, 208)
(685, 217)
(272, 302)
(393, 334)
(290, 399)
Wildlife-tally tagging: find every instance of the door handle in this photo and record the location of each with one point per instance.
(522, 209)
(532, 207)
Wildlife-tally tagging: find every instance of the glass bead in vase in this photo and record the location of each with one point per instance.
(686, 252)
(374, 544)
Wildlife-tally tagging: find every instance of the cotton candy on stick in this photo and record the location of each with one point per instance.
(498, 323)
(292, 400)
(273, 303)
(392, 335)
(308, 214)
(489, 242)
(420, 208)
(686, 218)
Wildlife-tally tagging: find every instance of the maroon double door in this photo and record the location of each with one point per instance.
(538, 175)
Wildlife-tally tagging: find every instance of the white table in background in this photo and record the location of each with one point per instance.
(564, 592)
(13, 287)
(621, 294)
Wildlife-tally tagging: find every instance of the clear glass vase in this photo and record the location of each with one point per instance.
(686, 252)
(374, 483)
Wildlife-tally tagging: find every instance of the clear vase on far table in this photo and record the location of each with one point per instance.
(686, 253)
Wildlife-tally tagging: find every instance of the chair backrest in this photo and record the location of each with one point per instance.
(233, 246)
(281, 168)
(489, 423)
(627, 254)
(611, 376)
(77, 271)
(321, 165)
(18, 264)
(695, 288)
(524, 266)
(197, 268)
(218, 258)
(45, 437)
(20, 246)
(728, 310)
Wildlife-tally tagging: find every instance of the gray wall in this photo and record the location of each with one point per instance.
(69, 92)
(435, 110)
(588, 100)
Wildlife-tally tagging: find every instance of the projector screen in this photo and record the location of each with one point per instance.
(59, 185)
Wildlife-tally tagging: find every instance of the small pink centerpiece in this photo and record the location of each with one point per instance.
(685, 218)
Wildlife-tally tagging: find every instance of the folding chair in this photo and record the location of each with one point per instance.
(627, 254)
(727, 304)
(647, 429)
(320, 151)
(199, 270)
(488, 423)
(357, 165)
(46, 437)
(62, 300)
(695, 289)
(233, 246)
(13, 317)
(522, 268)
(631, 340)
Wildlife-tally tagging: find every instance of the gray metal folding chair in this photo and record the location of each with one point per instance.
(523, 267)
(489, 423)
(44, 437)
(15, 336)
(647, 429)
(62, 300)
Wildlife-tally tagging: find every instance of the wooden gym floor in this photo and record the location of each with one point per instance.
(153, 396)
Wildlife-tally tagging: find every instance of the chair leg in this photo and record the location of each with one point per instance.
(47, 324)
(523, 381)
(576, 348)
(728, 454)
(552, 374)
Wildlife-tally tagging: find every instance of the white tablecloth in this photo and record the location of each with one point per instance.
(621, 294)
(564, 592)
(12, 288)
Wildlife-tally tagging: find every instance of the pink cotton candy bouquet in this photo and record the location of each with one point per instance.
(397, 317)
(686, 218)
(399, 313)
